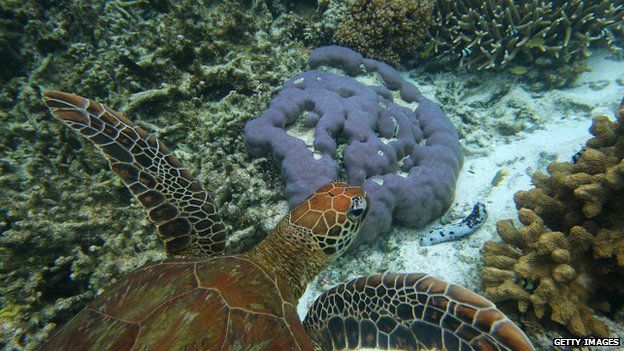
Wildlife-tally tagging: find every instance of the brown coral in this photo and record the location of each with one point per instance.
(384, 30)
(567, 260)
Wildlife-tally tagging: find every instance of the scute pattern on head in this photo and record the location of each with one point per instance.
(333, 215)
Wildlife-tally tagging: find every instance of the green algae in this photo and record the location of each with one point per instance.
(191, 72)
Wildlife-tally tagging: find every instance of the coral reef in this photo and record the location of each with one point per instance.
(566, 262)
(496, 33)
(379, 132)
(384, 30)
(199, 69)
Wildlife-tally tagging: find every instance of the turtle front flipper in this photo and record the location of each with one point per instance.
(186, 218)
(409, 312)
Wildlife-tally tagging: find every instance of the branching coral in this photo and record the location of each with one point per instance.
(567, 261)
(384, 30)
(491, 34)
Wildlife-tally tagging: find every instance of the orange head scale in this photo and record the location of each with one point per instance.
(333, 215)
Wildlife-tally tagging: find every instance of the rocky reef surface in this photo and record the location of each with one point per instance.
(191, 72)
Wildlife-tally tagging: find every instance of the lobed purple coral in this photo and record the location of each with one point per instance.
(379, 132)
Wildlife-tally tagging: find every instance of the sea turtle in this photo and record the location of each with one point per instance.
(205, 300)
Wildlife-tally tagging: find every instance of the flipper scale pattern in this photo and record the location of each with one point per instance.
(401, 311)
(186, 218)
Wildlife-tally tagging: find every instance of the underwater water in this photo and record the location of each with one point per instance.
(530, 126)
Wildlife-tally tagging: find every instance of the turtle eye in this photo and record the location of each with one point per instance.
(355, 213)
(358, 209)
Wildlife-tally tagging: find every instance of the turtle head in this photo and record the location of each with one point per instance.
(333, 215)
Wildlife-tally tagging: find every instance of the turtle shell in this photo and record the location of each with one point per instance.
(224, 303)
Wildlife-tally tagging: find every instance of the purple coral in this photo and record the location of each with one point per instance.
(382, 134)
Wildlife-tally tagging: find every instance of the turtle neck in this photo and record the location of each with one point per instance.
(293, 255)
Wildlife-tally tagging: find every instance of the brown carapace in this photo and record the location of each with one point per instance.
(206, 301)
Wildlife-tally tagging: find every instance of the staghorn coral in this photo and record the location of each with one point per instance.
(567, 260)
(384, 30)
(492, 34)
